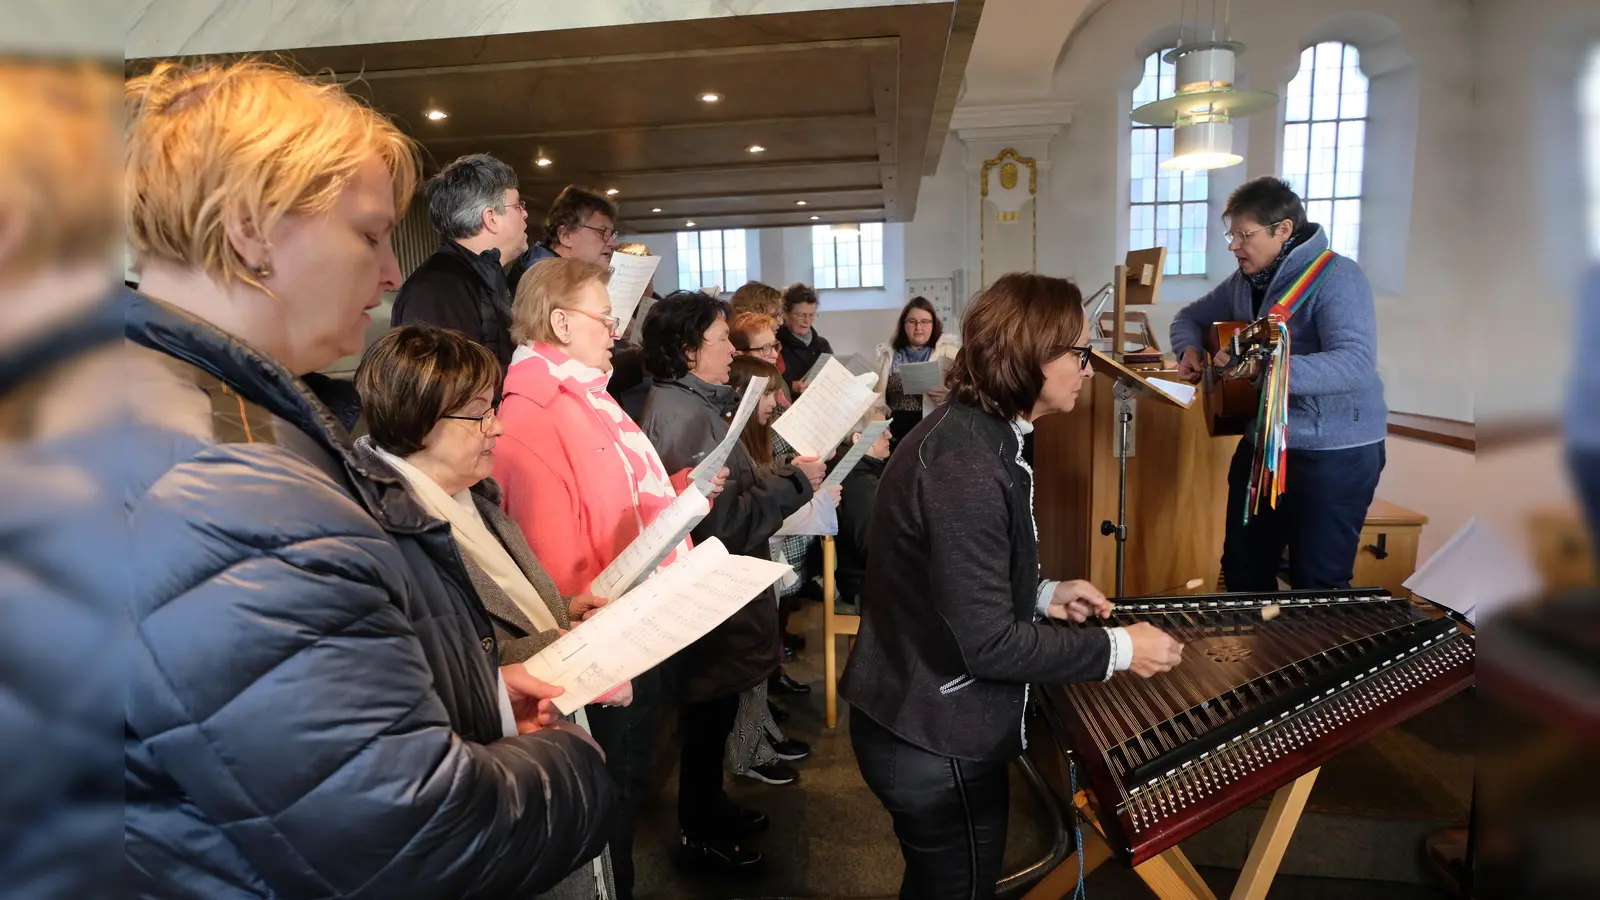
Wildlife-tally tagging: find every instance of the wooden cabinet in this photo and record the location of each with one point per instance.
(1388, 552)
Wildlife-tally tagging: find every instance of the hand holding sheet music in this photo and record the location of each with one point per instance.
(630, 275)
(707, 468)
(641, 557)
(825, 413)
(668, 612)
(869, 436)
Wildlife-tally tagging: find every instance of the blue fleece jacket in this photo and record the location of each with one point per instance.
(1582, 420)
(1335, 394)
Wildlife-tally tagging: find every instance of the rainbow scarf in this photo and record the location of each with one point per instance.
(1270, 468)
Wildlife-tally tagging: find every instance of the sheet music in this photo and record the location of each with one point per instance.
(858, 364)
(825, 411)
(1476, 571)
(1177, 390)
(668, 612)
(646, 551)
(853, 456)
(819, 517)
(922, 377)
(708, 467)
(630, 275)
(816, 368)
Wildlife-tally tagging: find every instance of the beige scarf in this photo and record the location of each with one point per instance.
(475, 539)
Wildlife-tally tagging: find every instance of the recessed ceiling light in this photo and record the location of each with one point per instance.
(756, 148)
(611, 192)
(688, 224)
(814, 218)
(799, 203)
(710, 97)
(542, 161)
(655, 209)
(435, 115)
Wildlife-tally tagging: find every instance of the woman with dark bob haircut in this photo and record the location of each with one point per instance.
(950, 631)
(428, 397)
(687, 347)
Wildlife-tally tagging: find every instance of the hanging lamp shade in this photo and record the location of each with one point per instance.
(1202, 110)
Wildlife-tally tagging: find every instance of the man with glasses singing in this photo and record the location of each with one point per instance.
(483, 225)
(581, 224)
(1336, 412)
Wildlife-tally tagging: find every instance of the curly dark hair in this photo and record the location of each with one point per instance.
(900, 341)
(572, 208)
(799, 292)
(676, 324)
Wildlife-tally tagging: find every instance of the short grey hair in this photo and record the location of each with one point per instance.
(459, 194)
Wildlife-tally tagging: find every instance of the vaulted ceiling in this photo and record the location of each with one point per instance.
(850, 106)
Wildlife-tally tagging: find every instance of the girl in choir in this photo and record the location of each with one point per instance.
(918, 337)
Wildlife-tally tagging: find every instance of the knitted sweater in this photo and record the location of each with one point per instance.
(1335, 394)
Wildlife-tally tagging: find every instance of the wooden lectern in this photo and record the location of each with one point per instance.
(1176, 482)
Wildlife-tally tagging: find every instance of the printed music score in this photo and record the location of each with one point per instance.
(671, 610)
(922, 377)
(630, 275)
(869, 435)
(708, 468)
(826, 411)
(646, 551)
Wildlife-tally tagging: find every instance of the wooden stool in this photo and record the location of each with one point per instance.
(1388, 552)
(834, 625)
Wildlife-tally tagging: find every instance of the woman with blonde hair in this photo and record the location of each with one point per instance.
(307, 701)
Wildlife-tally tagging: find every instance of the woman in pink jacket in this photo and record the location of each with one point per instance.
(582, 481)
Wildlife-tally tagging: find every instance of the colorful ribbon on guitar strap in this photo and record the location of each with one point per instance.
(1269, 469)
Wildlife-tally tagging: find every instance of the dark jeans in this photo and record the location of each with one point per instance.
(1318, 517)
(628, 736)
(949, 814)
(703, 805)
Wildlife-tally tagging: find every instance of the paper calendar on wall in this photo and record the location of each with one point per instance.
(942, 294)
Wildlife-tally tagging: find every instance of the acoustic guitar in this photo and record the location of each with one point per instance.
(1237, 354)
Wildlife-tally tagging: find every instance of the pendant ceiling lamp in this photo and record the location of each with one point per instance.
(1202, 110)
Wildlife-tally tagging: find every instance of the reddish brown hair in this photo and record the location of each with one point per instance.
(1016, 326)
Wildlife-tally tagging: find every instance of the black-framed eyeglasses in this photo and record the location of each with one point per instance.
(483, 420)
(1083, 353)
(606, 234)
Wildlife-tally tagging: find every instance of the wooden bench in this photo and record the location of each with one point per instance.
(1388, 551)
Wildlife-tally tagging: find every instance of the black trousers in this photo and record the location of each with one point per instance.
(1318, 518)
(901, 422)
(949, 814)
(628, 736)
(703, 805)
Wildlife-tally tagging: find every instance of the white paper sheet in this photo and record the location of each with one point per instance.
(711, 464)
(817, 367)
(646, 551)
(669, 611)
(826, 411)
(922, 377)
(1476, 571)
(854, 454)
(1177, 390)
(630, 275)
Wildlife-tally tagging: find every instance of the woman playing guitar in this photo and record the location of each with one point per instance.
(1336, 417)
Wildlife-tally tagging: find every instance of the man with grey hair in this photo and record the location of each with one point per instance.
(483, 225)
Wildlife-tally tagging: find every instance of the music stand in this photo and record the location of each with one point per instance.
(1129, 385)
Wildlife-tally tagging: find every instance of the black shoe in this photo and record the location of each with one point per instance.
(745, 823)
(792, 749)
(783, 684)
(794, 641)
(779, 714)
(778, 772)
(720, 856)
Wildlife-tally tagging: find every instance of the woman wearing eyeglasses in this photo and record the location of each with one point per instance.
(582, 480)
(1337, 415)
(918, 337)
(950, 631)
